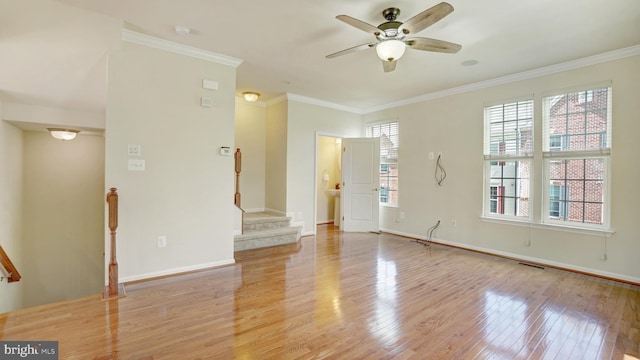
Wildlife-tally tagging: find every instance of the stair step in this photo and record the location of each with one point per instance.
(264, 221)
(264, 238)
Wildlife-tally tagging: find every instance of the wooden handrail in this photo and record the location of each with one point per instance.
(7, 264)
(112, 200)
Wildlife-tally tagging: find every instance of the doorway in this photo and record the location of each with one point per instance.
(328, 179)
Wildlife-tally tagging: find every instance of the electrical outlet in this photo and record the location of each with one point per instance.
(136, 165)
(454, 223)
(431, 157)
(162, 241)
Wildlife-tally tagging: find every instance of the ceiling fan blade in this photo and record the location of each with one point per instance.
(426, 18)
(427, 44)
(359, 24)
(350, 50)
(389, 66)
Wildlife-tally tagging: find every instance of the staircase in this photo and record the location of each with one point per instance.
(263, 229)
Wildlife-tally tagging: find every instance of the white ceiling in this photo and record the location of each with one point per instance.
(54, 53)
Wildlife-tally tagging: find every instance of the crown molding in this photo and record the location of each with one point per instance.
(322, 103)
(166, 45)
(547, 70)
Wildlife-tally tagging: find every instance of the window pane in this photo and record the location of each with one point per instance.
(581, 117)
(509, 128)
(509, 188)
(389, 134)
(578, 186)
(593, 213)
(389, 183)
(593, 191)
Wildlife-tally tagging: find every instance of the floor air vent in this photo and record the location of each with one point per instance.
(532, 265)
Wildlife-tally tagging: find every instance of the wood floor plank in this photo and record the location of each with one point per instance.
(348, 296)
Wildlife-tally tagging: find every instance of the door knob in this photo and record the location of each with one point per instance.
(376, 189)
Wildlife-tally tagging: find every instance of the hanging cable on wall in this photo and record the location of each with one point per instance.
(440, 173)
(430, 231)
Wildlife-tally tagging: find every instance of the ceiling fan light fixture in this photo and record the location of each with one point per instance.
(250, 96)
(63, 134)
(390, 50)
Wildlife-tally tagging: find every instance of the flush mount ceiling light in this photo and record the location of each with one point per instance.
(63, 134)
(250, 96)
(390, 50)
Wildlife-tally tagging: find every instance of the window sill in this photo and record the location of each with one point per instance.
(389, 205)
(571, 229)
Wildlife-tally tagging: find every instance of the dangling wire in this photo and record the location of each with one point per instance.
(430, 231)
(440, 174)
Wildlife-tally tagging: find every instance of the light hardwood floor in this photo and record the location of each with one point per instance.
(349, 296)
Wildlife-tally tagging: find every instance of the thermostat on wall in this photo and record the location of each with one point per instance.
(225, 151)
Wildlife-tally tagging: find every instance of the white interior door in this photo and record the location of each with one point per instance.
(360, 184)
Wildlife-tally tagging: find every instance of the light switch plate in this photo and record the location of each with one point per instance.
(134, 150)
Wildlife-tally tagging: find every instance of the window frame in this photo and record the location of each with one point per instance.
(388, 163)
(585, 96)
(499, 152)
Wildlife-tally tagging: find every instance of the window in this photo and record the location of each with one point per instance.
(389, 134)
(576, 171)
(508, 153)
(557, 201)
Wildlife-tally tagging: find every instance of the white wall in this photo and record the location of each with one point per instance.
(276, 157)
(250, 130)
(186, 192)
(63, 217)
(305, 121)
(11, 143)
(453, 125)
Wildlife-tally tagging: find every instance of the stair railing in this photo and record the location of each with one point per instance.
(236, 197)
(7, 264)
(112, 200)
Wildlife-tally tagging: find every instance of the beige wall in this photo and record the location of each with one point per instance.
(11, 154)
(250, 130)
(453, 125)
(304, 123)
(327, 160)
(63, 217)
(276, 157)
(186, 192)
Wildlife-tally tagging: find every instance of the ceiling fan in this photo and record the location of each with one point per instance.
(392, 35)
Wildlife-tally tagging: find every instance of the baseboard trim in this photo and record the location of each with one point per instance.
(532, 260)
(175, 271)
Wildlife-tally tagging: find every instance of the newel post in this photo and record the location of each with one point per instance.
(238, 165)
(112, 200)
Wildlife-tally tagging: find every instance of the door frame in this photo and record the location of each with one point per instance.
(315, 174)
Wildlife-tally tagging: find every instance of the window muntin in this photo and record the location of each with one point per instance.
(508, 152)
(389, 134)
(577, 128)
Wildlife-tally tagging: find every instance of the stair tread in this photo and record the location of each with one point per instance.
(256, 218)
(269, 232)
